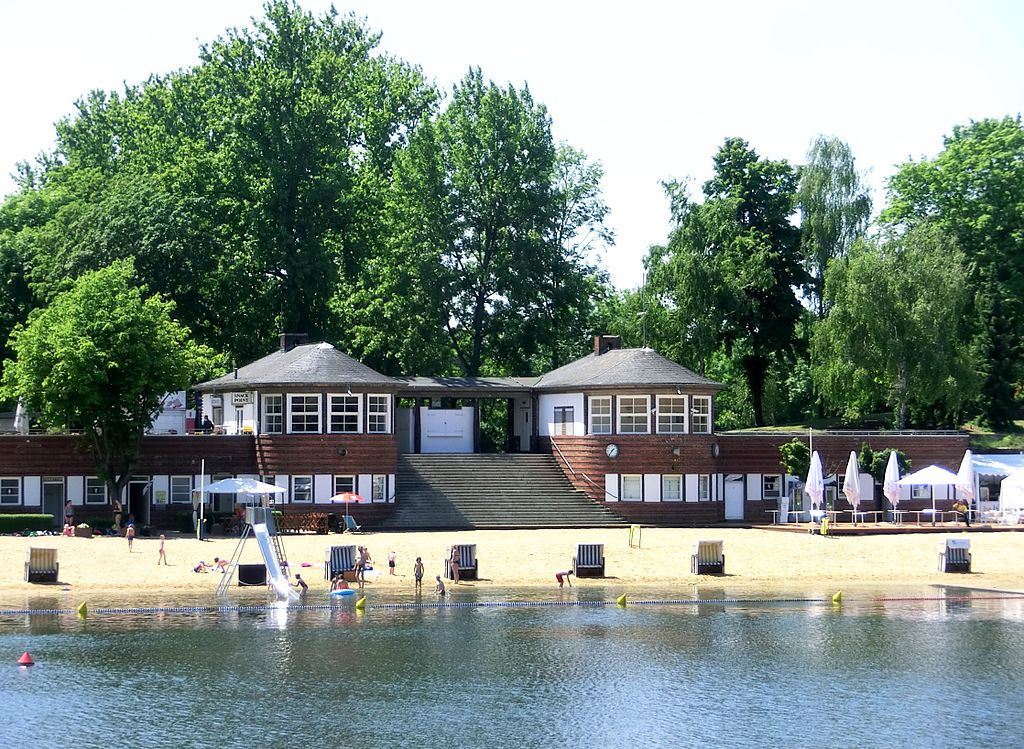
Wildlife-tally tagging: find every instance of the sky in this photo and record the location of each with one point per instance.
(649, 89)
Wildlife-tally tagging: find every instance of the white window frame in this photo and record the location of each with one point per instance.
(563, 419)
(92, 483)
(635, 417)
(673, 414)
(270, 416)
(10, 490)
(766, 480)
(344, 483)
(600, 418)
(700, 412)
(343, 413)
(306, 398)
(703, 487)
(920, 491)
(672, 487)
(176, 493)
(632, 487)
(378, 413)
(379, 487)
(306, 491)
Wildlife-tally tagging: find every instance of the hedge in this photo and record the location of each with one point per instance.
(27, 522)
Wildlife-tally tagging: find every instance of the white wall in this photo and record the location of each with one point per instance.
(33, 491)
(754, 486)
(652, 487)
(611, 487)
(546, 405)
(323, 487)
(76, 490)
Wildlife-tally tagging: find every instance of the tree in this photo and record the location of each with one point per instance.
(796, 457)
(834, 210)
(99, 359)
(895, 333)
(972, 191)
(732, 264)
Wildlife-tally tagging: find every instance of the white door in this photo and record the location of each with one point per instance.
(734, 499)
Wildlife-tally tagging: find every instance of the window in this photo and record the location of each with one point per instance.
(305, 414)
(95, 491)
(273, 414)
(601, 414)
(344, 484)
(672, 488)
(379, 489)
(633, 415)
(181, 489)
(632, 488)
(672, 414)
(920, 491)
(702, 414)
(703, 488)
(302, 489)
(564, 418)
(378, 414)
(771, 487)
(344, 414)
(10, 491)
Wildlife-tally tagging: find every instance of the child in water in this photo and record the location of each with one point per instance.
(439, 588)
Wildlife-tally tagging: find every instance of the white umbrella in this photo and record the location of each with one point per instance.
(851, 482)
(931, 476)
(965, 476)
(21, 417)
(242, 486)
(815, 485)
(891, 484)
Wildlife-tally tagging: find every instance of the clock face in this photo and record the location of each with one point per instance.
(612, 450)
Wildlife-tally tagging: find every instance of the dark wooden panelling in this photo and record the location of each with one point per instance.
(326, 453)
(686, 514)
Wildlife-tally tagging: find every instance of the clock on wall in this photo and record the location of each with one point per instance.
(612, 450)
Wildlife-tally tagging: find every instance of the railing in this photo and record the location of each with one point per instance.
(846, 432)
(584, 476)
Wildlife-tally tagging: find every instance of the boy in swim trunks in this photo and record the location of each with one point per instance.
(417, 572)
(563, 577)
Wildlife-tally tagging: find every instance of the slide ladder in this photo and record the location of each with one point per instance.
(229, 573)
(273, 556)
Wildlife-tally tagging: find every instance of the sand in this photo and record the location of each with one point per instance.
(757, 560)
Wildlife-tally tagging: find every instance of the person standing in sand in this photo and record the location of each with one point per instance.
(417, 572)
(453, 564)
(163, 552)
(69, 513)
(118, 513)
(129, 533)
(391, 563)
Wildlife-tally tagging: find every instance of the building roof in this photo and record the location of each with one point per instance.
(310, 365)
(619, 368)
(465, 387)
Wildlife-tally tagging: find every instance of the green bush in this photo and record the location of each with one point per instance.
(28, 522)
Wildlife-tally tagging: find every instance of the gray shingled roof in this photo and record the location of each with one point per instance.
(314, 364)
(639, 367)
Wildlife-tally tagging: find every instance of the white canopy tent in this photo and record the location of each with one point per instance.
(243, 486)
(1011, 492)
(932, 476)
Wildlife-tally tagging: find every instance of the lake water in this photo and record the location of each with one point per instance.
(874, 672)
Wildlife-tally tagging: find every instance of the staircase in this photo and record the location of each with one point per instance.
(453, 492)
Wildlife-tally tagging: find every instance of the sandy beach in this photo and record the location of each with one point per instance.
(761, 560)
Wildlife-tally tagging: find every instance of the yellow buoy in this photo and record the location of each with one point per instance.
(83, 610)
(361, 604)
(621, 600)
(837, 597)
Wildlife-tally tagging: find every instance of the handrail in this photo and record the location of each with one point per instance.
(586, 478)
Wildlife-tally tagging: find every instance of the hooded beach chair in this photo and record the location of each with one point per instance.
(707, 558)
(339, 559)
(588, 560)
(955, 555)
(41, 566)
(467, 562)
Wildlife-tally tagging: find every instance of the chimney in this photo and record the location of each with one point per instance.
(291, 340)
(605, 343)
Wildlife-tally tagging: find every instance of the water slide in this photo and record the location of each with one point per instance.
(275, 575)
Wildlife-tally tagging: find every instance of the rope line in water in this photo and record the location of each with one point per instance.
(261, 608)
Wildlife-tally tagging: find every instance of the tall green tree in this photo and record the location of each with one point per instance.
(100, 358)
(895, 333)
(732, 265)
(972, 190)
(834, 210)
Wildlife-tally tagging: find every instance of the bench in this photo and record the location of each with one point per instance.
(467, 562)
(708, 558)
(588, 560)
(955, 555)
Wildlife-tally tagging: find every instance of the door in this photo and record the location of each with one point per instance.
(138, 500)
(734, 498)
(53, 500)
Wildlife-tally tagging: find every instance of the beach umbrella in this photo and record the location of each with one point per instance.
(851, 482)
(21, 422)
(242, 486)
(965, 477)
(346, 498)
(931, 476)
(891, 484)
(815, 486)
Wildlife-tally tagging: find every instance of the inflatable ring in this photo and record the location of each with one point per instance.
(343, 592)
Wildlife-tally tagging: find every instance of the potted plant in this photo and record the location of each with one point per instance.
(82, 530)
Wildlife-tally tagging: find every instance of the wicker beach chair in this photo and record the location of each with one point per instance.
(955, 555)
(41, 565)
(708, 558)
(588, 560)
(339, 559)
(467, 562)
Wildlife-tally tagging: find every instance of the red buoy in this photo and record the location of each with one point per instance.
(26, 660)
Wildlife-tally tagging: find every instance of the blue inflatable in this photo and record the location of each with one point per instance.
(343, 592)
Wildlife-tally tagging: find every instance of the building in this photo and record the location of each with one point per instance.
(628, 427)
